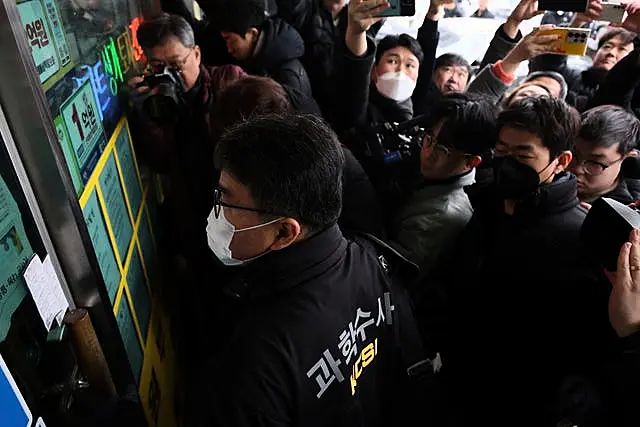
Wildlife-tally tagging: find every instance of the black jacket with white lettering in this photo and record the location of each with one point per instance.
(313, 345)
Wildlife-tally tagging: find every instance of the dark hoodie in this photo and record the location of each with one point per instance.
(278, 54)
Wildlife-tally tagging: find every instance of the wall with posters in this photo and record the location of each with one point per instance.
(84, 51)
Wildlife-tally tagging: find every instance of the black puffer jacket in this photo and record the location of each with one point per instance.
(522, 309)
(278, 55)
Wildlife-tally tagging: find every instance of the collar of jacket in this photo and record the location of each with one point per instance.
(391, 110)
(446, 185)
(627, 191)
(281, 270)
(559, 196)
(592, 77)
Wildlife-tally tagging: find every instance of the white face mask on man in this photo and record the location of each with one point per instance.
(397, 86)
(220, 233)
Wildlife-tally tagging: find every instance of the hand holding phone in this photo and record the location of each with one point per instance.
(400, 8)
(571, 41)
(612, 12)
(364, 13)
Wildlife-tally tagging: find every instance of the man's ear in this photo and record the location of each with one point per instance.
(289, 231)
(252, 35)
(564, 159)
(197, 54)
(474, 161)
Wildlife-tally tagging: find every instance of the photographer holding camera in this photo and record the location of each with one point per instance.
(171, 126)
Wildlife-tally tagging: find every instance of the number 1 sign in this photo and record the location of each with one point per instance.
(80, 115)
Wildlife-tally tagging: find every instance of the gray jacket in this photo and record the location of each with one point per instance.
(432, 219)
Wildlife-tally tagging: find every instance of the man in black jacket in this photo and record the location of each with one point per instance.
(323, 336)
(264, 46)
(525, 308)
(608, 135)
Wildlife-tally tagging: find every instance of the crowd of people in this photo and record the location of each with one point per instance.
(336, 271)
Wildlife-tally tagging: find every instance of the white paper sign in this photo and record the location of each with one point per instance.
(46, 291)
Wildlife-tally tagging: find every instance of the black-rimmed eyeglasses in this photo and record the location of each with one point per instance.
(218, 204)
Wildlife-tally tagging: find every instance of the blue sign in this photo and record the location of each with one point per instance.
(14, 410)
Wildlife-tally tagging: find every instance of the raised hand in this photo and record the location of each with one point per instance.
(594, 9)
(525, 10)
(632, 21)
(624, 302)
(533, 44)
(364, 13)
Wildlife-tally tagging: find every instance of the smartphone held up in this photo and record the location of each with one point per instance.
(400, 8)
(572, 41)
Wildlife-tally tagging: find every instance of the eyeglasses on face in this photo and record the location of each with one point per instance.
(592, 167)
(158, 65)
(218, 204)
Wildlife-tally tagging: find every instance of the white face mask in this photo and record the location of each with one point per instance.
(397, 86)
(220, 233)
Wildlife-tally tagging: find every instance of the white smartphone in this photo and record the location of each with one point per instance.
(612, 12)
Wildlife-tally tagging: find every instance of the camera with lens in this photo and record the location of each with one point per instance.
(395, 143)
(166, 93)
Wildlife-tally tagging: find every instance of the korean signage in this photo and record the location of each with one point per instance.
(86, 136)
(358, 348)
(55, 25)
(43, 49)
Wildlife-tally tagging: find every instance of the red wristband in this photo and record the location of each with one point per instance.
(504, 77)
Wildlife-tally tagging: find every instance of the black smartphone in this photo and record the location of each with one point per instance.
(564, 5)
(400, 8)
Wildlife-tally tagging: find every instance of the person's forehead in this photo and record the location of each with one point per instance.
(402, 52)
(617, 41)
(548, 82)
(518, 138)
(456, 68)
(592, 149)
(532, 89)
(170, 48)
(233, 190)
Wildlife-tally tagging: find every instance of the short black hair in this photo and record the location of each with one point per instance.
(157, 31)
(607, 125)
(291, 164)
(402, 40)
(237, 16)
(452, 60)
(550, 119)
(627, 37)
(469, 122)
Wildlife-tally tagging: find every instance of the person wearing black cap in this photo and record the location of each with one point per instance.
(460, 130)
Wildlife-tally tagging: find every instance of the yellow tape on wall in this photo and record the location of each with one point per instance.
(122, 200)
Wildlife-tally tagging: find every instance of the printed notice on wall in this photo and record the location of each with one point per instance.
(129, 336)
(84, 129)
(15, 254)
(101, 245)
(53, 18)
(116, 207)
(139, 293)
(39, 37)
(67, 150)
(128, 168)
